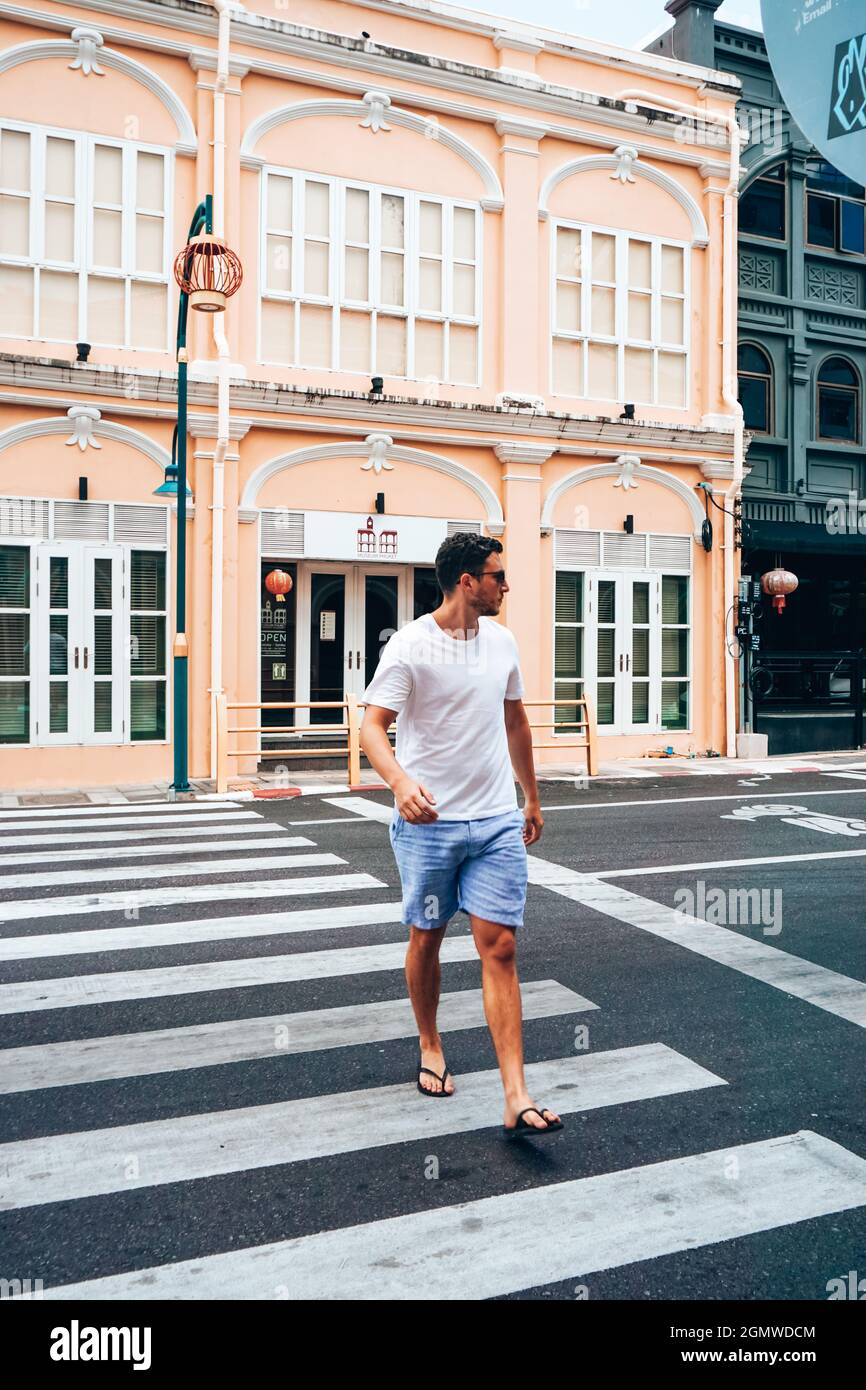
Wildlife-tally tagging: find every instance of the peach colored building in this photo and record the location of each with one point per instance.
(528, 236)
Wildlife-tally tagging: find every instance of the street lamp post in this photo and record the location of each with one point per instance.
(208, 273)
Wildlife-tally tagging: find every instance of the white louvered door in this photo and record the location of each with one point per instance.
(104, 665)
(622, 650)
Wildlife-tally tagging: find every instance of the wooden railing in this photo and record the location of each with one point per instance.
(350, 725)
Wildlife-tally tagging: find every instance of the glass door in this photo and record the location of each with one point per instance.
(59, 643)
(330, 651)
(606, 601)
(640, 599)
(103, 665)
(376, 610)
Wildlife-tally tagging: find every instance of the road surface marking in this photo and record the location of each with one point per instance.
(134, 873)
(114, 853)
(166, 837)
(153, 934)
(826, 989)
(201, 818)
(66, 1167)
(525, 1239)
(245, 1039)
(729, 863)
(32, 996)
(133, 899)
(173, 808)
(362, 806)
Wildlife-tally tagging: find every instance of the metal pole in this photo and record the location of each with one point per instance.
(201, 218)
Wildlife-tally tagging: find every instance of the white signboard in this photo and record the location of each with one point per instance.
(327, 625)
(373, 538)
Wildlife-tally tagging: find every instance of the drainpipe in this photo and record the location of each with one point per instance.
(223, 369)
(729, 376)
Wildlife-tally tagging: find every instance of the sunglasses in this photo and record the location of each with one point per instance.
(498, 575)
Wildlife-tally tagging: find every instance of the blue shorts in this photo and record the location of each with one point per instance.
(476, 866)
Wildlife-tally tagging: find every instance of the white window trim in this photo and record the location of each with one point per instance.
(620, 337)
(82, 266)
(337, 299)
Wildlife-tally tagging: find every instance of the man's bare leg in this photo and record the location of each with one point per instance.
(423, 977)
(496, 947)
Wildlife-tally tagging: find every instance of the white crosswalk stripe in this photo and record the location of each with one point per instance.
(140, 873)
(241, 1040)
(77, 856)
(134, 899)
(477, 1249)
(480, 1249)
(65, 1167)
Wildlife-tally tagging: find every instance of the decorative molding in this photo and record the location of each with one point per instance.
(42, 50)
(523, 453)
(88, 40)
(832, 284)
(628, 464)
(378, 445)
(207, 426)
(617, 161)
(527, 130)
(205, 60)
(625, 155)
(377, 104)
(636, 470)
(83, 419)
(368, 106)
(756, 271)
(518, 43)
(402, 454)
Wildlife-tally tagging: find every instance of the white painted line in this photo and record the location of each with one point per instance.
(328, 820)
(136, 937)
(130, 808)
(32, 996)
(826, 989)
(362, 806)
(244, 1039)
(134, 899)
(133, 873)
(65, 1167)
(730, 863)
(204, 846)
(685, 800)
(166, 837)
(521, 1240)
(201, 818)
(854, 776)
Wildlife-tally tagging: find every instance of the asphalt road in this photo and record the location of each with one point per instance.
(709, 1071)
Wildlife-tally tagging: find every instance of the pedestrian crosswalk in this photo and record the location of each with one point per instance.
(134, 995)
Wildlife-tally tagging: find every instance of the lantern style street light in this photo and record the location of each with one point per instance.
(208, 274)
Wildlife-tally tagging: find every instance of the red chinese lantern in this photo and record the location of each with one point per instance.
(279, 583)
(209, 272)
(779, 582)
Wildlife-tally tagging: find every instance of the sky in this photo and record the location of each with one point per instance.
(623, 22)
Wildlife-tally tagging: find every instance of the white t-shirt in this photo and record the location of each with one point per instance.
(448, 695)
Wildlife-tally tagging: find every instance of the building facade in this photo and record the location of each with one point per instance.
(802, 364)
(488, 285)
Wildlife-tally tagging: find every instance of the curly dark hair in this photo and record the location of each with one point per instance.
(463, 553)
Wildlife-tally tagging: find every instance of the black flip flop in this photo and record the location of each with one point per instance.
(436, 1095)
(521, 1130)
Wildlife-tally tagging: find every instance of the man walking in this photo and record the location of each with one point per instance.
(452, 678)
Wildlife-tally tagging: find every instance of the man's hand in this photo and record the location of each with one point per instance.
(533, 821)
(414, 802)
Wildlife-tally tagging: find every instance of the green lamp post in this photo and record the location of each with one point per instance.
(208, 273)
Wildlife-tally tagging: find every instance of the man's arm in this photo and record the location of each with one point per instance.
(520, 748)
(414, 802)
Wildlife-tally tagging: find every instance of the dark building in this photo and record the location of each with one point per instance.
(802, 366)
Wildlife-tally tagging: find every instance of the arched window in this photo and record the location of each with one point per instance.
(755, 375)
(837, 407)
(762, 206)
